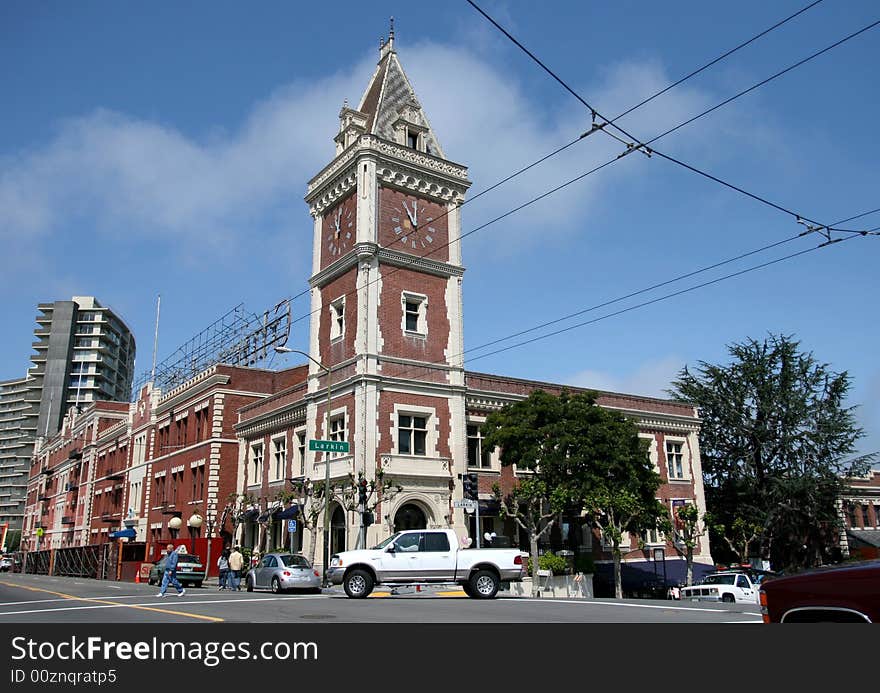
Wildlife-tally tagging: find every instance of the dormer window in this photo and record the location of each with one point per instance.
(412, 139)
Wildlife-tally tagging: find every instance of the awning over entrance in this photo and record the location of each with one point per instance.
(250, 515)
(128, 533)
(288, 513)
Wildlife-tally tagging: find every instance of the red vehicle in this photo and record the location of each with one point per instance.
(848, 593)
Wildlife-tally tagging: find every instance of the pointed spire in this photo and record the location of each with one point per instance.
(391, 32)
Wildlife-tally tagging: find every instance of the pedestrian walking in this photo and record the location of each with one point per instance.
(236, 563)
(223, 567)
(170, 574)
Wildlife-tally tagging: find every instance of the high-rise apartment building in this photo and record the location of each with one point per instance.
(84, 353)
(17, 429)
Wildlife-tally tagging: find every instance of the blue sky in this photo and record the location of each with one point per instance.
(164, 148)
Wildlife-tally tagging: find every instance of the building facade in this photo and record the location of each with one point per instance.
(860, 510)
(385, 387)
(84, 353)
(17, 431)
(386, 356)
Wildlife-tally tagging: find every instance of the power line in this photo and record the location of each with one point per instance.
(663, 298)
(815, 227)
(628, 111)
(637, 144)
(716, 60)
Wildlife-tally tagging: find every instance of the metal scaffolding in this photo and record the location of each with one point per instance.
(239, 338)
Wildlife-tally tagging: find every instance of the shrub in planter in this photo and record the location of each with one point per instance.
(550, 561)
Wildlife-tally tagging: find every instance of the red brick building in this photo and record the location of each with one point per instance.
(386, 299)
(860, 507)
(386, 349)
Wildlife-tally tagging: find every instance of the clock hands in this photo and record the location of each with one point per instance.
(413, 216)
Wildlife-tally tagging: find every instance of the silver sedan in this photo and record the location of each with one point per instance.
(280, 572)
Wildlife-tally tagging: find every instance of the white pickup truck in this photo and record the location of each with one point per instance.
(426, 556)
(727, 586)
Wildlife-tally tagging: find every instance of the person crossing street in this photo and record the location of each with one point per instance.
(170, 573)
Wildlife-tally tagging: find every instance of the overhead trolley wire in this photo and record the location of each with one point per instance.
(636, 143)
(626, 112)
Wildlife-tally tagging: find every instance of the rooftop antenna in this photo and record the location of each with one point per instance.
(156, 339)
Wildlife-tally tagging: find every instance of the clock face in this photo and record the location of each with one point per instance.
(412, 222)
(339, 229)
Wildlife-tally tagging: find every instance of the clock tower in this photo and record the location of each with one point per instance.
(387, 308)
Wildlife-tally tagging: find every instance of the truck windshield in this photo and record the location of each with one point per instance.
(387, 541)
(719, 579)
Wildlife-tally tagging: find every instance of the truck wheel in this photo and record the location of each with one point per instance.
(358, 584)
(484, 584)
(466, 586)
(728, 597)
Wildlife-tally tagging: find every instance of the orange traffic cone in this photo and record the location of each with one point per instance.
(137, 577)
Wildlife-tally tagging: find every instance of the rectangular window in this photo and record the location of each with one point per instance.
(280, 457)
(256, 464)
(337, 432)
(412, 139)
(674, 460)
(477, 456)
(337, 318)
(412, 316)
(436, 541)
(415, 312)
(866, 516)
(412, 432)
(301, 451)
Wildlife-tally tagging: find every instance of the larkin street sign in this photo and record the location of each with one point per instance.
(329, 445)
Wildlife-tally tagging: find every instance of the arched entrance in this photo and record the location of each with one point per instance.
(410, 516)
(337, 530)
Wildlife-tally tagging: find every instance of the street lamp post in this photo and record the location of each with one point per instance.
(174, 526)
(194, 523)
(328, 371)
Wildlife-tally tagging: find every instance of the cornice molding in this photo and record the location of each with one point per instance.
(274, 420)
(393, 258)
(655, 420)
(397, 165)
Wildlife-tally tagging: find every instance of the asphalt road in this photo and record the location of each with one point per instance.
(43, 599)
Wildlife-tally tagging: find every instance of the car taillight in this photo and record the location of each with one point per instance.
(765, 610)
(518, 560)
(286, 573)
(317, 574)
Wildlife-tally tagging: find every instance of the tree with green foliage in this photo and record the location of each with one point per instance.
(573, 454)
(685, 530)
(776, 441)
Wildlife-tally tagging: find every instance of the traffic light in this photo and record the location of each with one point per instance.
(362, 491)
(469, 481)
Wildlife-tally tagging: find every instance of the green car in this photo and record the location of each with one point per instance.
(190, 570)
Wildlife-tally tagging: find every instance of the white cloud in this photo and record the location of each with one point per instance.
(650, 379)
(128, 178)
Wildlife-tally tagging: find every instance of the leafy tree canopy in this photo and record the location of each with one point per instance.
(776, 439)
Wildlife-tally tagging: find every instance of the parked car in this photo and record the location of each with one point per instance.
(846, 593)
(190, 570)
(6, 564)
(280, 572)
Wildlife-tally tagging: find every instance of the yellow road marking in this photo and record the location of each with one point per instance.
(379, 594)
(104, 601)
(456, 593)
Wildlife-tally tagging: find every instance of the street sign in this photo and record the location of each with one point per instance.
(291, 526)
(329, 445)
(466, 503)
